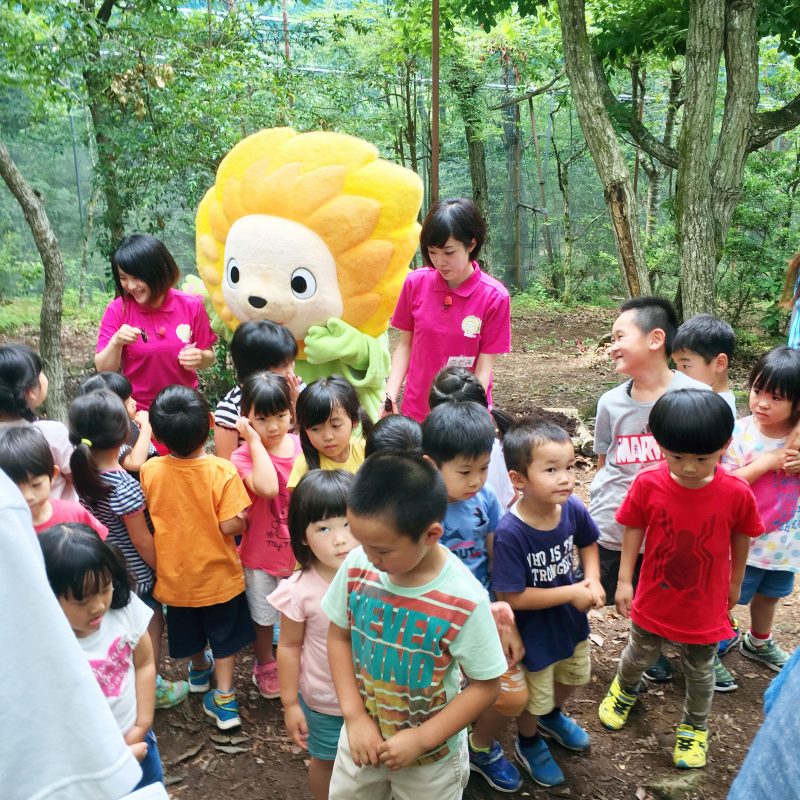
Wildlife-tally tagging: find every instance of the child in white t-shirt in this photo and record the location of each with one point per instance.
(90, 581)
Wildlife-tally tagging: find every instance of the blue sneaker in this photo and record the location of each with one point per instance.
(566, 732)
(200, 679)
(726, 645)
(539, 763)
(498, 771)
(223, 708)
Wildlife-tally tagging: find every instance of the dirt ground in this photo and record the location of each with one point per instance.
(556, 363)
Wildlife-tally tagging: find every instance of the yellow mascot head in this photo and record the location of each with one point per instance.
(300, 228)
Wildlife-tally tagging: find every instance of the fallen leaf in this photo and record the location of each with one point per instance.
(224, 748)
(597, 639)
(641, 793)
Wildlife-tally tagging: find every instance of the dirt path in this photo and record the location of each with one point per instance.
(556, 362)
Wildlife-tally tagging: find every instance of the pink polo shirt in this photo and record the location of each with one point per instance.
(449, 327)
(152, 365)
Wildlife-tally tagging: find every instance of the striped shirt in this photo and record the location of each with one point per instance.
(126, 498)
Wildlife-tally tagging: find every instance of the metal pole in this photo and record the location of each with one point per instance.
(435, 103)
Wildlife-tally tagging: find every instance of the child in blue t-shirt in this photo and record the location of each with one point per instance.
(406, 621)
(533, 572)
(458, 436)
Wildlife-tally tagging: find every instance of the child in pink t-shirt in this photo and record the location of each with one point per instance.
(321, 539)
(27, 459)
(450, 314)
(264, 463)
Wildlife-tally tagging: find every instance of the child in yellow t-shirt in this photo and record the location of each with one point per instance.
(197, 503)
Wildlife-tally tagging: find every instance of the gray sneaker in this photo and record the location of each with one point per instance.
(723, 680)
(770, 653)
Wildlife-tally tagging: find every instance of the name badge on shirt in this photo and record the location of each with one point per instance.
(461, 361)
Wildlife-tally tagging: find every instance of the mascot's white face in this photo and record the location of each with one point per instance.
(282, 271)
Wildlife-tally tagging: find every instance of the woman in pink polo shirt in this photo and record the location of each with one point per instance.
(449, 313)
(157, 334)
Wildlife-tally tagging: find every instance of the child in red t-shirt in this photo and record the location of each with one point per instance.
(697, 519)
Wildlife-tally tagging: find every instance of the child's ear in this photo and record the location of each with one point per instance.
(426, 457)
(56, 473)
(516, 479)
(657, 338)
(433, 533)
(721, 363)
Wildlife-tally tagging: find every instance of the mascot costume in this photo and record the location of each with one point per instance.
(315, 232)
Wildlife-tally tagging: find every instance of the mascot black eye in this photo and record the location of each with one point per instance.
(303, 283)
(232, 271)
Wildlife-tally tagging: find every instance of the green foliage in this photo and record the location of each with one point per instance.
(220, 377)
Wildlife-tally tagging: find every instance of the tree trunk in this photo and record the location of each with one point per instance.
(603, 144)
(548, 245)
(511, 203)
(53, 295)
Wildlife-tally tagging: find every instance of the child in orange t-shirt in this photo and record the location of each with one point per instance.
(197, 503)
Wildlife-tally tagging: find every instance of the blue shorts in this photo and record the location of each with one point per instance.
(323, 732)
(152, 772)
(767, 582)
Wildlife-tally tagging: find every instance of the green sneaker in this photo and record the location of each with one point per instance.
(770, 653)
(615, 706)
(723, 680)
(170, 693)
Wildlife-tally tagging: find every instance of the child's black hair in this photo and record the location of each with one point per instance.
(778, 371)
(146, 258)
(319, 494)
(179, 418)
(691, 421)
(522, 439)
(459, 218)
(315, 405)
(457, 428)
(98, 420)
(25, 454)
(113, 381)
(651, 313)
(395, 432)
(458, 383)
(706, 335)
(78, 563)
(20, 368)
(404, 490)
(259, 345)
(266, 394)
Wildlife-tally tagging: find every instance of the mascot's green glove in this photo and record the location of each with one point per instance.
(339, 348)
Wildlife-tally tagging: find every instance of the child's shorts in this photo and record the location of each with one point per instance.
(258, 584)
(225, 626)
(573, 671)
(768, 582)
(513, 695)
(323, 732)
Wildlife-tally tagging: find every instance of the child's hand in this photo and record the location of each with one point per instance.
(139, 750)
(402, 750)
(364, 739)
(503, 615)
(791, 461)
(583, 598)
(513, 647)
(294, 386)
(247, 431)
(624, 597)
(734, 592)
(296, 726)
(597, 589)
(773, 460)
(142, 419)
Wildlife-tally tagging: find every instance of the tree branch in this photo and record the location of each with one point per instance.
(528, 95)
(630, 124)
(770, 124)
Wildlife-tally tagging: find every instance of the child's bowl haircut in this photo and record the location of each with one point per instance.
(77, 560)
(457, 428)
(259, 345)
(179, 418)
(114, 381)
(25, 454)
(405, 491)
(706, 335)
(654, 312)
(395, 432)
(266, 393)
(778, 371)
(522, 439)
(320, 494)
(691, 421)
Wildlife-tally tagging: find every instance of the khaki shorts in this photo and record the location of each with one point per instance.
(573, 671)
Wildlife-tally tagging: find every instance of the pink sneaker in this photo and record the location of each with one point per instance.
(265, 677)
